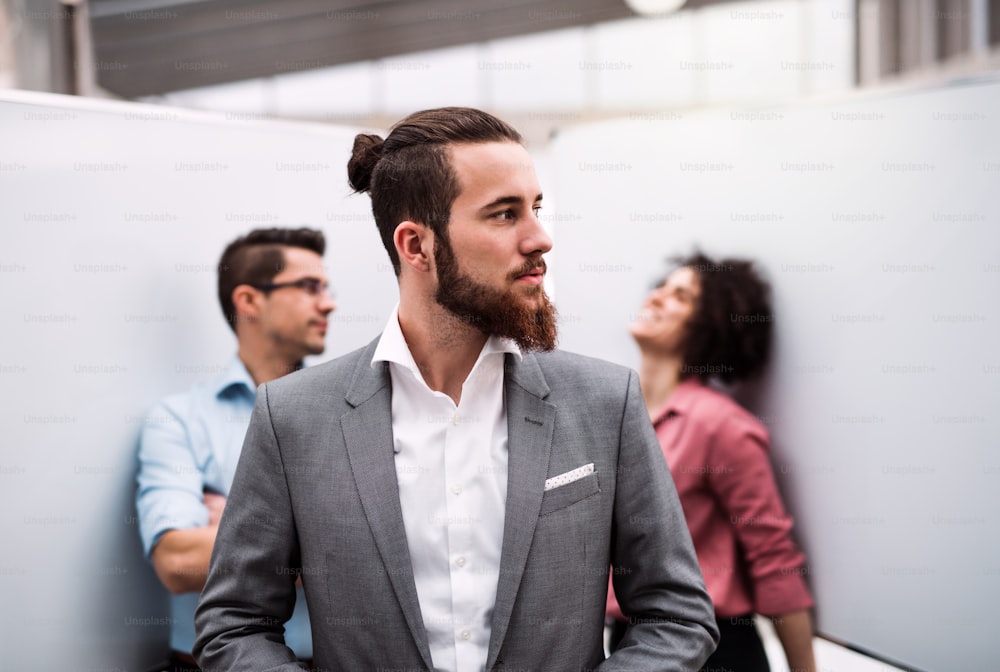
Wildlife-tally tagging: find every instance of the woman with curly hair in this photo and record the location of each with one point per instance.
(711, 320)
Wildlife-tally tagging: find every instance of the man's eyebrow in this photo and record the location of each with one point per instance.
(508, 200)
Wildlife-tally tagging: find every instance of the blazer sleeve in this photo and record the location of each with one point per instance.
(250, 591)
(654, 568)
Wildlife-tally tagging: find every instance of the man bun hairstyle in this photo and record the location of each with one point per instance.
(365, 154)
(255, 258)
(728, 337)
(409, 175)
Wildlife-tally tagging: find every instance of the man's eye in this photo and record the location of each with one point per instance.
(505, 214)
(536, 209)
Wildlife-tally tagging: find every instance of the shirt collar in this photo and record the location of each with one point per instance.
(392, 347)
(234, 377)
(680, 400)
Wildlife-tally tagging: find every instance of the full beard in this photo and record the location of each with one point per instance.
(492, 311)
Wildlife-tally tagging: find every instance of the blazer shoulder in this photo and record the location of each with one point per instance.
(332, 376)
(572, 371)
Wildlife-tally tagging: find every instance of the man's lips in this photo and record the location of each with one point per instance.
(534, 273)
(535, 276)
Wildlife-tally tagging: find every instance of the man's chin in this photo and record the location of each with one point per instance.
(534, 300)
(314, 349)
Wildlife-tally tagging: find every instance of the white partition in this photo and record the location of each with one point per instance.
(878, 222)
(115, 216)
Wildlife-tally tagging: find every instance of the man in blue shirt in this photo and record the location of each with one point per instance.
(274, 294)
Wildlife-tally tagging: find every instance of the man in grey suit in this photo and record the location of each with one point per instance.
(454, 495)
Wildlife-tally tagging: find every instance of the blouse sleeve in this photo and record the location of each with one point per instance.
(741, 476)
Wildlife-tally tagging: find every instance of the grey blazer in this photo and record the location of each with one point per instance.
(315, 496)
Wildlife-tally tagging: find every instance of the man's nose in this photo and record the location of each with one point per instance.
(327, 304)
(537, 240)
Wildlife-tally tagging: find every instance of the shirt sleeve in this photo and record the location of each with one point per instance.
(740, 474)
(170, 481)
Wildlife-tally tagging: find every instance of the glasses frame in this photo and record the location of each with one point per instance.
(312, 286)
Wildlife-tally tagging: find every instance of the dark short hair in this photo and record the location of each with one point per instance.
(257, 257)
(728, 336)
(409, 175)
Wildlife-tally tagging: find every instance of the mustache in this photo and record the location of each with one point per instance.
(528, 267)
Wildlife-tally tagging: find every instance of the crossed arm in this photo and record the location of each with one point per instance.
(180, 558)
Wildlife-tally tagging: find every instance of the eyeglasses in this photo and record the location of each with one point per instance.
(312, 286)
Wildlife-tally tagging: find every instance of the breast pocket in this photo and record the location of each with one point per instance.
(569, 494)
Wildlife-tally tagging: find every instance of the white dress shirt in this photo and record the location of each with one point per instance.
(451, 467)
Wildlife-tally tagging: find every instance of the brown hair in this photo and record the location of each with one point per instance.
(409, 176)
(257, 257)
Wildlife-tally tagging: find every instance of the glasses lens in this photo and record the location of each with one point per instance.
(314, 286)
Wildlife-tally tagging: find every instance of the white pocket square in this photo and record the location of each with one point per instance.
(569, 477)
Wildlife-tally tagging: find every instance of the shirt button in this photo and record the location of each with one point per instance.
(457, 489)
(455, 419)
(460, 561)
(466, 635)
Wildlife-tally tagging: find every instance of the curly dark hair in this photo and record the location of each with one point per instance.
(257, 257)
(728, 337)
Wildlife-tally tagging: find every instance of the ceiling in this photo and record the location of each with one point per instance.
(146, 47)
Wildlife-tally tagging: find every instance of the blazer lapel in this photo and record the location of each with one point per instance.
(368, 437)
(530, 422)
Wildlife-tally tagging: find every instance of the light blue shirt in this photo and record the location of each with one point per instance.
(190, 444)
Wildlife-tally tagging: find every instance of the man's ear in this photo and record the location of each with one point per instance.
(247, 303)
(414, 245)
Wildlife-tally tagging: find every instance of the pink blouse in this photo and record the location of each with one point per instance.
(718, 456)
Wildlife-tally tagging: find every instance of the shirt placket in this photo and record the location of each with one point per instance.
(460, 456)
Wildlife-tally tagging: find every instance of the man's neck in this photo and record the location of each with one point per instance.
(659, 376)
(264, 367)
(444, 348)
